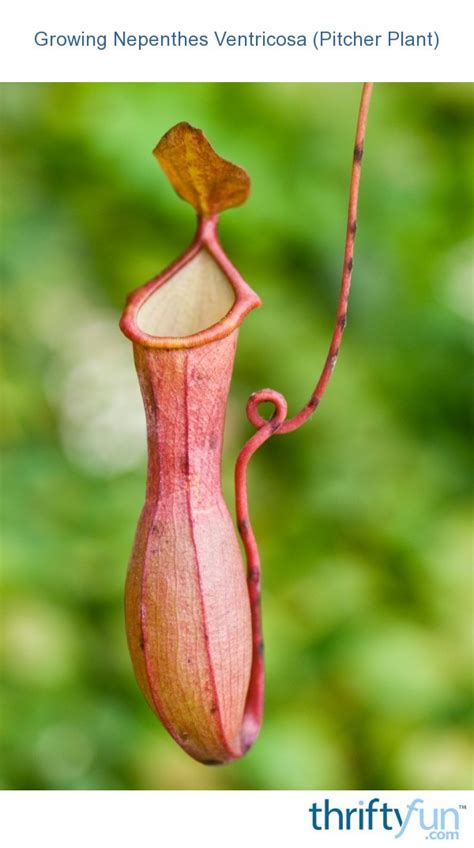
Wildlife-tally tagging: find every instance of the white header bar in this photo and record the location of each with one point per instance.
(209, 40)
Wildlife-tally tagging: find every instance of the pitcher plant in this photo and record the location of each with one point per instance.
(192, 611)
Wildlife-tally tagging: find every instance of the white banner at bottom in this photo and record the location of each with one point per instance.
(230, 818)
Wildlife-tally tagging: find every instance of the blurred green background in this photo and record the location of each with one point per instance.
(362, 516)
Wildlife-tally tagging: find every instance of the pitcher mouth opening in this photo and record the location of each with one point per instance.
(195, 298)
(198, 299)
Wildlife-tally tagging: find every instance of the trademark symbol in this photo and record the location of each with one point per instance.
(462, 806)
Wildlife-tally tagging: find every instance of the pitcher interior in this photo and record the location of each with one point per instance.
(196, 297)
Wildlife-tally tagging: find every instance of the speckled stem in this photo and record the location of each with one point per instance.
(279, 424)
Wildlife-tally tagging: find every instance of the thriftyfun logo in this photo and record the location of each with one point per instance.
(435, 822)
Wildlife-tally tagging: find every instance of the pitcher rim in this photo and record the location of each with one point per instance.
(246, 299)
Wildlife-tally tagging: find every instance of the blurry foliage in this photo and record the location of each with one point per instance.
(362, 516)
